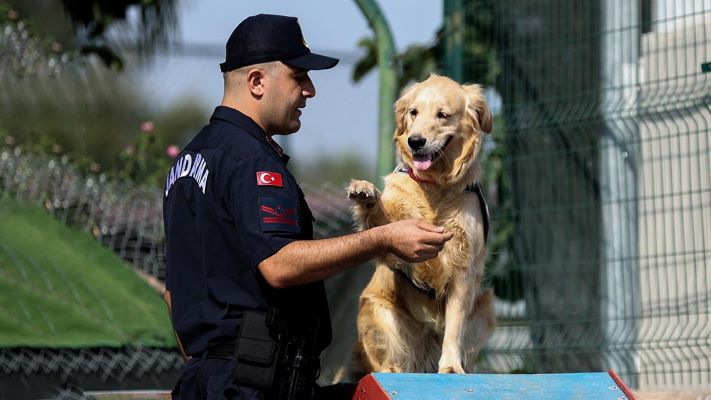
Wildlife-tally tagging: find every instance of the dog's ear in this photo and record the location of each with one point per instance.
(401, 106)
(477, 108)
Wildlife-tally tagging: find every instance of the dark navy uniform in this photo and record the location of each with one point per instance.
(230, 203)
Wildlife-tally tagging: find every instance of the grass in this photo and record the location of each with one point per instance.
(60, 288)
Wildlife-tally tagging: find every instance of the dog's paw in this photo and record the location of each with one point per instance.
(452, 369)
(394, 369)
(362, 192)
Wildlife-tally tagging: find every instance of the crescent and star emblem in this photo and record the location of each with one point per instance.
(268, 178)
(265, 178)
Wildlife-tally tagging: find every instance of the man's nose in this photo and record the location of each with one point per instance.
(308, 89)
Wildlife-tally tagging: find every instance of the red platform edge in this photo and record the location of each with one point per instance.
(369, 389)
(621, 384)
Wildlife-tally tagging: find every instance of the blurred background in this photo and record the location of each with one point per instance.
(597, 174)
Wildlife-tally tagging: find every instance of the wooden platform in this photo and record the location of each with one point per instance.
(579, 386)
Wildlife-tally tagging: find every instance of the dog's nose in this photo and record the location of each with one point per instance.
(416, 142)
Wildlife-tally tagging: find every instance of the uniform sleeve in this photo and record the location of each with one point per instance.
(263, 202)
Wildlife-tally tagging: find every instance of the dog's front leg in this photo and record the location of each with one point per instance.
(458, 306)
(368, 211)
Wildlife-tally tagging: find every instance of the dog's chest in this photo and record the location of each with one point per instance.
(459, 213)
(404, 199)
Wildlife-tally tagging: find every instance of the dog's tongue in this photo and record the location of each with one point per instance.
(422, 162)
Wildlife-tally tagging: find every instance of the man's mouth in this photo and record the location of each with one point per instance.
(298, 110)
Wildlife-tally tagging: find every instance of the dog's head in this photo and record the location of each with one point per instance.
(440, 126)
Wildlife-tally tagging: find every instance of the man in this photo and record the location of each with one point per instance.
(244, 277)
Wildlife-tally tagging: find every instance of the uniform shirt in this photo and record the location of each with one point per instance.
(229, 204)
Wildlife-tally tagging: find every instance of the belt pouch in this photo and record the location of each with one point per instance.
(256, 352)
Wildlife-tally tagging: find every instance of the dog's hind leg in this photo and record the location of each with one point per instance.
(380, 342)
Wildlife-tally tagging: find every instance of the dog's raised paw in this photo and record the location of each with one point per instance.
(362, 191)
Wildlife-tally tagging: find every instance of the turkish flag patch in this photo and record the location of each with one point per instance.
(266, 178)
(279, 214)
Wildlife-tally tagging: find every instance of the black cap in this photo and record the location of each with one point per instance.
(264, 37)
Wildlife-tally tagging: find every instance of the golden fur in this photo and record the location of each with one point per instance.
(400, 329)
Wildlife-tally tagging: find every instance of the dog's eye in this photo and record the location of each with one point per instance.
(413, 112)
(442, 115)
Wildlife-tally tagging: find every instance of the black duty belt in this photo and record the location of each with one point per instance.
(222, 350)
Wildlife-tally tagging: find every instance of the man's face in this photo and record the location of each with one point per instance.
(285, 97)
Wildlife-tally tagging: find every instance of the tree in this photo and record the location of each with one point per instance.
(90, 26)
(53, 99)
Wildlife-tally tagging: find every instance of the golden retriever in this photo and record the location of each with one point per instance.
(431, 316)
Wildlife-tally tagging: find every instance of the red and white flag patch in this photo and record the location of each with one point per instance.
(266, 178)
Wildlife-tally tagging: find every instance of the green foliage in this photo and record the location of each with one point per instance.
(83, 26)
(416, 63)
(368, 61)
(502, 271)
(148, 159)
(92, 19)
(88, 113)
(94, 116)
(25, 52)
(479, 51)
(61, 288)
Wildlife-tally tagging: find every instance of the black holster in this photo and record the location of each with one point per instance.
(273, 358)
(257, 352)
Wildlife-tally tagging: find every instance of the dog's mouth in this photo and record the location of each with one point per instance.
(425, 157)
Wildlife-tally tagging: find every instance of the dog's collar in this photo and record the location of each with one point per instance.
(472, 188)
(416, 178)
(404, 169)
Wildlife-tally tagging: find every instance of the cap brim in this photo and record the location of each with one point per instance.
(312, 61)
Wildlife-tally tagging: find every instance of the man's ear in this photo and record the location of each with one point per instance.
(255, 81)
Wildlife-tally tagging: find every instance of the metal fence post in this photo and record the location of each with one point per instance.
(454, 39)
(388, 84)
(619, 157)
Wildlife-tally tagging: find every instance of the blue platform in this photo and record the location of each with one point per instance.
(592, 386)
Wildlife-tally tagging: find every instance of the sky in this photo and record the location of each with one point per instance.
(343, 116)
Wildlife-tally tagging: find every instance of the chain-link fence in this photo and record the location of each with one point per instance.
(127, 218)
(604, 197)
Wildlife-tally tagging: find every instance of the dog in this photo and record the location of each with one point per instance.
(432, 316)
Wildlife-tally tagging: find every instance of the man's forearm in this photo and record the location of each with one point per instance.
(306, 261)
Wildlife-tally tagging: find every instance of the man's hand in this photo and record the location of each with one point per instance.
(416, 241)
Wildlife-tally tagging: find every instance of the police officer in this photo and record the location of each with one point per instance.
(239, 231)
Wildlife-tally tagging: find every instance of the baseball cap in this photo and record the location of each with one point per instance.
(265, 37)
